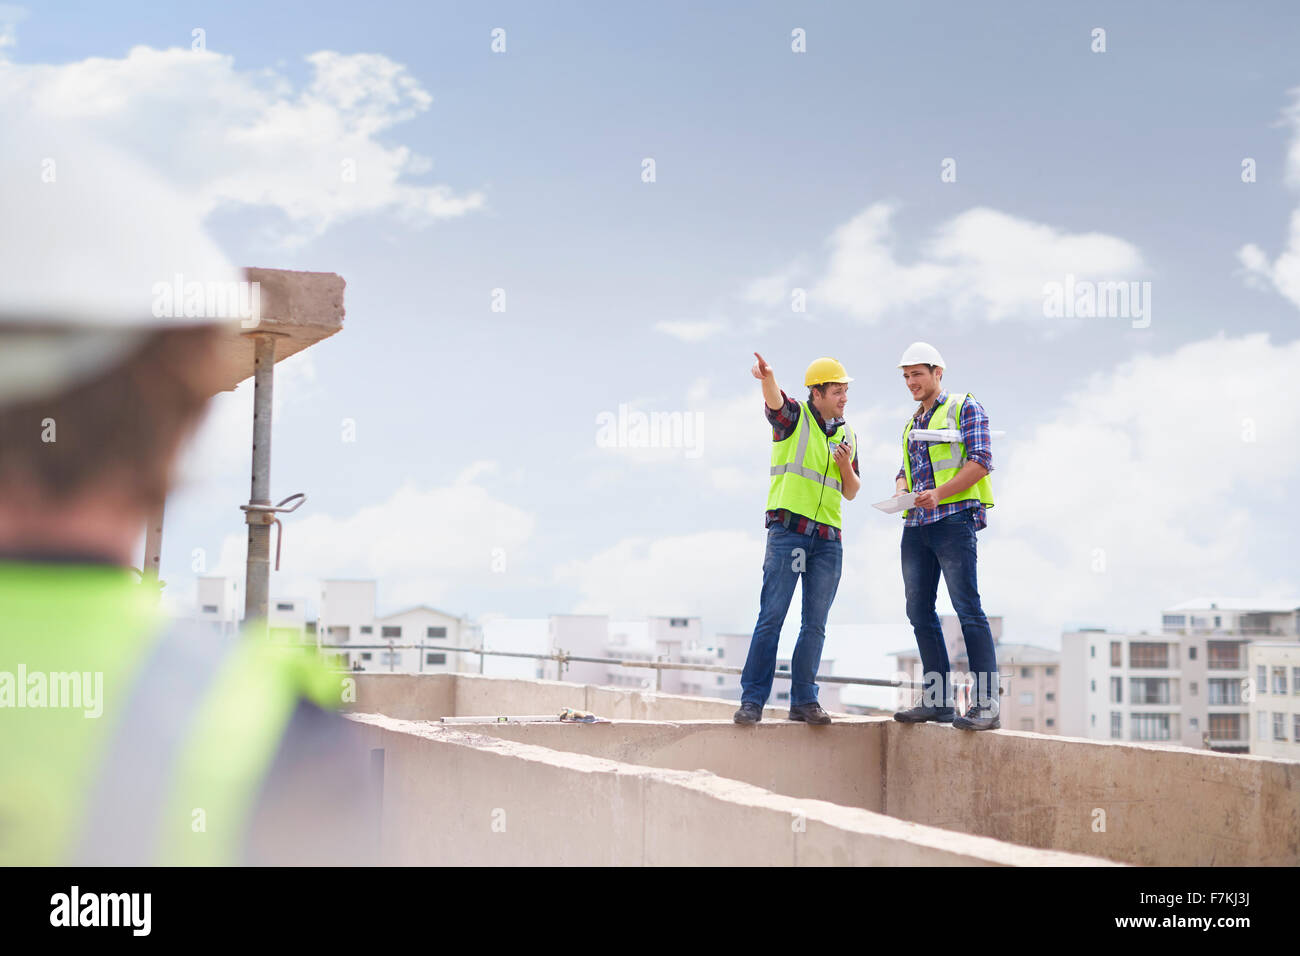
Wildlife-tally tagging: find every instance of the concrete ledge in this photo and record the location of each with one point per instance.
(457, 798)
(1161, 805)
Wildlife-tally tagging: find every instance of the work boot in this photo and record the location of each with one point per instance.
(748, 714)
(809, 713)
(920, 713)
(978, 718)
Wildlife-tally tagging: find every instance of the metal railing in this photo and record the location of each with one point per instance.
(659, 665)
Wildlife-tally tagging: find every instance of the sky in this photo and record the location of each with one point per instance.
(562, 213)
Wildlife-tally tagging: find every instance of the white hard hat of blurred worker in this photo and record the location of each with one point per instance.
(921, 353)
(92, 249)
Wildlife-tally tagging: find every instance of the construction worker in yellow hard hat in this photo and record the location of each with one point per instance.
(814, 467)
(950, 478)
(126, 739)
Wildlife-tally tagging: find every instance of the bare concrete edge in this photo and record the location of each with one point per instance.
(963, 847)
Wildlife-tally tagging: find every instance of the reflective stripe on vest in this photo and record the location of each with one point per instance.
(133, 783)
(787, 489)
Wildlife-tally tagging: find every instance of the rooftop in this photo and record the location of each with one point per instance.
(671, 780)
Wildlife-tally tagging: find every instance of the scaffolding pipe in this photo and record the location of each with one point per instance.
(257, 581)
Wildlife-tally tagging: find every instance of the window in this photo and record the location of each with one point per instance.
(391, 658)
(210, 609)
(1224, 690)
(720, 652)
(1218, 621)
(1175, 621)
(1050, 696)
(1116, 654)
(1093, 721)
(1295, 731)
(1261, 719)
(1261, 679)
(1051, 722)
(1116, 719)
(435, 658)
(1148, 654)
(1279, 680)
(1193, 722)
(1226, 726)
(1152, 690)
(390, 630)
(1092, 686)
(1279, 726)
(367, 629)
(720, 679)
(678, 622)
(1191, 688)
(436, 632)
(1117, 690)
(1191, 653)
(1295, 680)
(1050, 672)
(1024, 672)
(1223, 656)
(1027, 723)
(783, 696)
(1151, 726)
(1092, 651)
(366, 655)
(284, 606)
(1027, 698)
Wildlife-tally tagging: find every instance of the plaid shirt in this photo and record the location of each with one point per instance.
(975, 435)
(784, 420)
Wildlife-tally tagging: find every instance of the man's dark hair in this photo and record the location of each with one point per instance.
(125, 424)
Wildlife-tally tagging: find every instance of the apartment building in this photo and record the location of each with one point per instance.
(1190, 685)
(1275, 674)
(348, 617)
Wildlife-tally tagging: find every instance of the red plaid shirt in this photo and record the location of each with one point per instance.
(783, 421)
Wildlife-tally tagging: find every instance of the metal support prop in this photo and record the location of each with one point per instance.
(153, 551)
(257, 582)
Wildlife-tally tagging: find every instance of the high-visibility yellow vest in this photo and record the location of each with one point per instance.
(805, 478)
(946, 458)
(126, 741)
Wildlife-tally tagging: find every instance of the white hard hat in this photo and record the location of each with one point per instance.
(921, 353)
(93, 247)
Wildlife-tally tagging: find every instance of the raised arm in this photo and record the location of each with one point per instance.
(771, 392)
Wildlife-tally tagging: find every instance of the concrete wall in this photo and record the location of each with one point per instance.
(457, 798)
(841, 763)
(1163, 805)
(428, 697)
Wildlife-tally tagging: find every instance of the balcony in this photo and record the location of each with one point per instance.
(671, 780)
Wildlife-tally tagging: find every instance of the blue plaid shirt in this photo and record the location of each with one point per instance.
(974, 423)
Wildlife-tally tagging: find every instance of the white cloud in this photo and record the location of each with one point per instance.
(692, 331)
(426, 545)
(1283, 274)
(229, 137)
(981, 263)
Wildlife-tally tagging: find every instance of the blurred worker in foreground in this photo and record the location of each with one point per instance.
(953, 494)
(125, 739)
(814, 467)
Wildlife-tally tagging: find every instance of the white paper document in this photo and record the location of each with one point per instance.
(894, 505)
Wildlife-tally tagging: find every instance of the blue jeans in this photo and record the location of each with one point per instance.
(790, 554)
(947, 546)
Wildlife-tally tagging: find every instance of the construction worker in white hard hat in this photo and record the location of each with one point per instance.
(126, 739)
(951, 481)
(814, 467)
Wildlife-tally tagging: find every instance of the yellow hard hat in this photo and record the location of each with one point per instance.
(825, 370)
